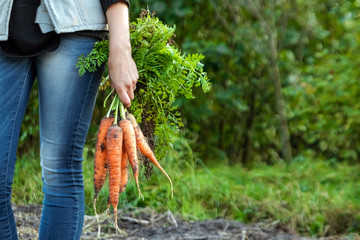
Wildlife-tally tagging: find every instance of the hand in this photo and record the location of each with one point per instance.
(122, 68)
(123, 72)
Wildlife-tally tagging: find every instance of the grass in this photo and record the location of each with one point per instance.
(313, 197)
(27, 180)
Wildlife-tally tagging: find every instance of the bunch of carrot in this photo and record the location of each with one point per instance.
(116, 146)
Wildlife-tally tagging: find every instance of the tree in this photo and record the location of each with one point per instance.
(264, 11)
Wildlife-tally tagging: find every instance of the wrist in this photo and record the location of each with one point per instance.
(119, 45)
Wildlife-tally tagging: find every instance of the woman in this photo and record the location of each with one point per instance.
(44, 40)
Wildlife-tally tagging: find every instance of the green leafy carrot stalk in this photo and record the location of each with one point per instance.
(117, 107)
(165, 75)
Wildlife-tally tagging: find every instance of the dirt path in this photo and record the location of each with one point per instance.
(146, 224)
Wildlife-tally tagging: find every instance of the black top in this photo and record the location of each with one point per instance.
(105, 4)
(25, 36)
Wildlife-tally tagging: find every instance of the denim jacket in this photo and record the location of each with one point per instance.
(59, 15)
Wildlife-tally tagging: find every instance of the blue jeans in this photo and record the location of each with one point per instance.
(66, 103)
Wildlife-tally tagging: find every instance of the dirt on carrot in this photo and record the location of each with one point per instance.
(114, 142)
(100, 163)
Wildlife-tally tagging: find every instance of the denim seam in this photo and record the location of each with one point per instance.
(12, 135)
(76, 137)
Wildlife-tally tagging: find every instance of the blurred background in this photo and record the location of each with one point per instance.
(277, 137)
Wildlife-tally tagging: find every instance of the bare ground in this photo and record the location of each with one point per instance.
(145, 224)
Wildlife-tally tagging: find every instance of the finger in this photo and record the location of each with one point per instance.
(134, 84)
(131, 93)
(124, 98)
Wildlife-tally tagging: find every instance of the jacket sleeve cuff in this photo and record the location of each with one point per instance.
(105, 4)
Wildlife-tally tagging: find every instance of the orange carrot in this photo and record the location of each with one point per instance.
(145, 148)
(130, 147)
(124, 171)
(124, 175)
(114, 140)
(100, 163)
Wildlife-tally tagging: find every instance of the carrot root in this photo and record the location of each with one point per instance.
(130, 147)
(100, 163)
(124, 171)
(145, 148)
(114, 140)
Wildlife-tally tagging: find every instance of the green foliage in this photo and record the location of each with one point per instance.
(332, 123)
(27, 186)
(165, 74)
(95, 58)
(312, 197)
(237, 121)
(323, 107)
(29, 133)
